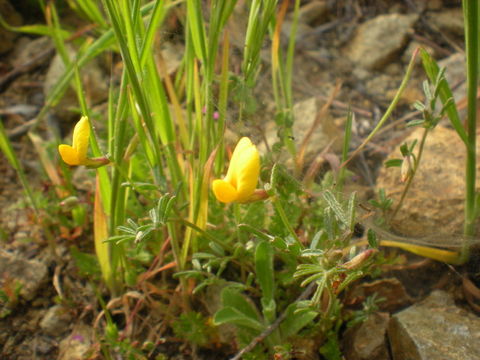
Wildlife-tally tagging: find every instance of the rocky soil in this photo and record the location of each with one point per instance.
(350, 54)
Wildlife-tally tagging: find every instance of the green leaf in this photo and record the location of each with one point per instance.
(269, 309)
(404, 149)
(351, 277)
(445, 93)
(296, 319)
(331, 349)
(233, 298)
(100, 234)
(264, 270)
(307, 269)
(230, 315)
(318, 238)
(281, 176)
(393, 163)
(252, 230)
(312, 252)
(197, 29)
(91, 9)
(280, 243)
(416, 122)
(86, 263)
(255, 215)
(202, 255)
(37, 29)
(336, 207)
(329, 223)
(351, 210)
(192, 327)
(372, 239)
(7, 149)
(217, 249)
(419, 106)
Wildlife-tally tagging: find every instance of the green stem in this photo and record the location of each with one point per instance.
(470, 8)
(284, 218)
(390, 109)
(414, 171)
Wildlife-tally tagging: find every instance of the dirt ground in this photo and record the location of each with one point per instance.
(326, 55)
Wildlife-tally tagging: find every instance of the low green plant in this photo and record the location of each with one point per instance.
(278, 247)
(194, 328)
(430, 118)
(9, 296)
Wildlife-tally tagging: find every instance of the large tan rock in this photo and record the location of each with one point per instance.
(435, 201)
(378, 41)
(434, 329)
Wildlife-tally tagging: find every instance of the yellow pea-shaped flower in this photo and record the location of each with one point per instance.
(242, 176)
(77, 153)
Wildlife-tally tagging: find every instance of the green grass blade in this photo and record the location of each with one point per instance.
(196, 29)
(432, 69)
(7, 149)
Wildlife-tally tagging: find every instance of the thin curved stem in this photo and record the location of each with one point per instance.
(414, 171)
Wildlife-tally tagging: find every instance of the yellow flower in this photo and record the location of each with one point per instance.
(77, 153)
(242, 176)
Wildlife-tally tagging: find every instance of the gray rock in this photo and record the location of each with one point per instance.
(448, 20)
(83, 179)
(383, 87)
(368, 340)
(43, 345)
(435, 329)
(455, 74)
(310, 16)
(379, 41)
(12, 18)
(28, 48)
(94, 82)
(31, 274)
(304, 31)
(433, 4)
(411, 48)
(172, 54)
(25, 110)
(56, 320)
(305, 114)
(77, 344)
(313, 13)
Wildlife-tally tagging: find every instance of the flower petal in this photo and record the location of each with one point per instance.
(242, 176)
(235, 162)
(69, 154)
(81, 135)
(224, 191)
(248, 170)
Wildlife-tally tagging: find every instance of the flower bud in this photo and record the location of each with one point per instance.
(69, 203)
(359, 259)
(407, 168)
